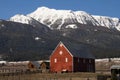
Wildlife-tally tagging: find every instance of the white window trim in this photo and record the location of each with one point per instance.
(66, 59)
(55, 60)
(61, 52)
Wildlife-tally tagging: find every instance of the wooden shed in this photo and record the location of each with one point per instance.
(69, 57)
(115, 72)
(45, 66)
(21, 66)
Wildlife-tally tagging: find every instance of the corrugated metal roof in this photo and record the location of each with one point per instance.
(115, 67)
(36, 64)
(78, 50)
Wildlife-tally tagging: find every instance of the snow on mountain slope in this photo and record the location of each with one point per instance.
(85, 18)
(24, 19)
(56, 19)
(52, 17)
(108, 22)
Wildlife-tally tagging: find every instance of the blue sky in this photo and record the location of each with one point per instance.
(9, 8)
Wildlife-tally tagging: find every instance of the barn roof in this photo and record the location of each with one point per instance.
(36, 64)
(78, 50)
(115, 67)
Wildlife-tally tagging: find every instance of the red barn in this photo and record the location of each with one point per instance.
(71, 58)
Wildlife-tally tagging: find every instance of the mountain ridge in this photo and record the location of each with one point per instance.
(55, 19)
(24, 37)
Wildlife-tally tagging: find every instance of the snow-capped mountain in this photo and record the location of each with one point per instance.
(25, 41)
(113, 23)
(28, 20)
(58, 19)
(24, 19)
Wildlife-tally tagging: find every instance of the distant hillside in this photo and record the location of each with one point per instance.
(26, 42)
(106, 63)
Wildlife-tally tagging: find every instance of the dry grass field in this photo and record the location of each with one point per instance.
(54, 76)
(102, 73)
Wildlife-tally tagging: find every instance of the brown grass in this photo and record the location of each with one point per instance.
(51, 76)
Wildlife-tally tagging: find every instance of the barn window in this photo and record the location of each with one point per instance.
(55, 60)
(60, 52)
(89, 61)
(61, 45)
(66, 59)
(78, 60)
(83, 60)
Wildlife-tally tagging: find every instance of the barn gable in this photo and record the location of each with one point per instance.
(61, 44)
(76, 50)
